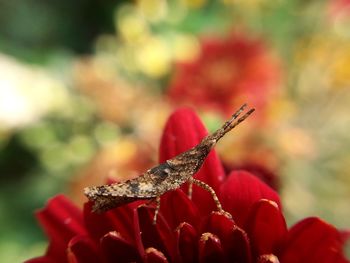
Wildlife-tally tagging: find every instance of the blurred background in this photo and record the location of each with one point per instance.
(86, 87)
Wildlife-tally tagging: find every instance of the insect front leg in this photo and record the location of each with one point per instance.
(157, 210)
(214, 196)
(190, 187)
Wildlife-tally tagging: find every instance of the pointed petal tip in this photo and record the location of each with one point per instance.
(155, 256)
(270, 258)
(266, 227)
(210, 248)
(117, 249)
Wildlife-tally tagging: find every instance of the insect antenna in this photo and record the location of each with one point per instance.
(231, 123)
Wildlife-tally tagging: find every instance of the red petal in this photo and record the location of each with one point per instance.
(210, 249)
(241, 251)
(82, 249)
(345, 235)
(97, 224)
(118, 219)
(183, 131)
(218, 224)
(234, 240)
(158, 236)
(117, 249)
(186, 239)
(268, 259)
(177, 208)
(61, 220)
(155, 256)
(313, 240)
(240, 191)
(266, 227)
(222, 227)
(263, 173)
(44, 259)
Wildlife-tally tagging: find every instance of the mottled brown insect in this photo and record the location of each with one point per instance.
(166, 176)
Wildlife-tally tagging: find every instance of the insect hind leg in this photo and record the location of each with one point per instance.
(155, 200)
(190, 188)
(213, 194)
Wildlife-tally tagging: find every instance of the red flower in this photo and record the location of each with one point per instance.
(339, 7)
(187, 230)
(264, 174)
(226, 71)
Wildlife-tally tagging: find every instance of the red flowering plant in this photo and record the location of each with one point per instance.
(338, 7)
(187, 230)
(227, 70)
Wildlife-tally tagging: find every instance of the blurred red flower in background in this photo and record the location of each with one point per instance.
(226, 71)
(264, 174)
(187, 230)
(339, 6)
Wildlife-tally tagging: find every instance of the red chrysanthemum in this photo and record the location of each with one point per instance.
(187, 230)
(264, 174)
(226, 71)
(338, 7)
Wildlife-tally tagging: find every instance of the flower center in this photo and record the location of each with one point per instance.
(221, 73)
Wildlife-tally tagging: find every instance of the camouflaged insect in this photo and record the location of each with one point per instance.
(165, 177)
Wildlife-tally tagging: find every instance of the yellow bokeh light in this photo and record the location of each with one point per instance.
(123, 151)
(154, 58)
(153, 10)
(297, 142)
(186, 48)
(195, 3)
(131, 24)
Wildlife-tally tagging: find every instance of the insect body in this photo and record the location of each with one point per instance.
(166, 176)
